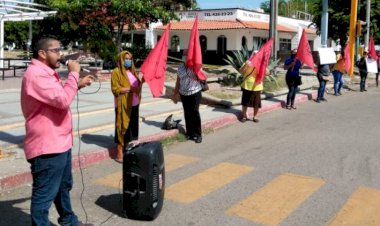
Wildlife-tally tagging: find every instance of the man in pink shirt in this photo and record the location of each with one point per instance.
(45, 103)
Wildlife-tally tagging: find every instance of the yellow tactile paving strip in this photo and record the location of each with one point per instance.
(172, 162)
(362, 208)
(276, 200)
(203, 183)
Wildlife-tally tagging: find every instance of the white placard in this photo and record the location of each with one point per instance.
(327, 56)
(371, 65)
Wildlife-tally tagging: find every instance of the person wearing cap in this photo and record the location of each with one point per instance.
(293, 78)
(337, 72)
(362, 65)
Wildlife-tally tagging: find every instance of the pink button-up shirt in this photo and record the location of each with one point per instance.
(45, 103)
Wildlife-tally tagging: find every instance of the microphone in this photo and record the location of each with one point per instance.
(64, 61)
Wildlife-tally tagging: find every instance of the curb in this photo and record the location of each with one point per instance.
(94, 157)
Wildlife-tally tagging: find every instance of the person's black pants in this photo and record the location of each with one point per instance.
(363, 78)
(191, 111)
(132, 132)
(291, 81)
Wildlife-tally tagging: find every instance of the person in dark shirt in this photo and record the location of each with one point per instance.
(362, 65)
(293, 78)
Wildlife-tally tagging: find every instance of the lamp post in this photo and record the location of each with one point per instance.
(273, 26)
(324, 23)
(368, 16)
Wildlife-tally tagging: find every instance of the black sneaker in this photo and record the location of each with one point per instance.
(197, 140)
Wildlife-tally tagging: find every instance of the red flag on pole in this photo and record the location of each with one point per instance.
(304, 52)
(194, 53)
(347, 58)
(260, 60)
(371, 49)
(154, 66)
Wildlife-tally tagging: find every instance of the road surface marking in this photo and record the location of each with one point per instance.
(203, 183)
(172, 162)
(362, 208)
(276, 200)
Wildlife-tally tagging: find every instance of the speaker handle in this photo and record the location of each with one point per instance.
(137, 189)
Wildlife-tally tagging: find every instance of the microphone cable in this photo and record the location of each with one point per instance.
(79, 145)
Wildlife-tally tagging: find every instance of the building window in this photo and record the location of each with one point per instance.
(285, 44)
(243, 42)
(203, 41)
(222, 45)
(174, 44)
(258, 42)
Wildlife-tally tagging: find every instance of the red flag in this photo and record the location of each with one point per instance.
(194, 53)
(260, 60)
(154, 65)
(304, 52)
(371, 49)
(347, 58)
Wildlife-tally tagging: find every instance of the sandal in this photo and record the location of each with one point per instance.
(243, 119)
(293, 107)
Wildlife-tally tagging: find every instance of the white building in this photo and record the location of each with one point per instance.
(225, 30)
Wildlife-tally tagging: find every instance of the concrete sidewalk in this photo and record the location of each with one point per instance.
(96, 127)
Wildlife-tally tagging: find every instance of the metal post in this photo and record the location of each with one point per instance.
(29, 43)
(273, 26)
(368, 23)
(353, 19)
(324, 23)
(2, 43)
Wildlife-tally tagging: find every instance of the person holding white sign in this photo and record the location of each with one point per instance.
(362, 65)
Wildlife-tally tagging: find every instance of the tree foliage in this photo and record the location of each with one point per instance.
(99, 24)
(288, 8)
(339, 18)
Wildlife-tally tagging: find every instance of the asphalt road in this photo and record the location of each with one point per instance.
(317, 165)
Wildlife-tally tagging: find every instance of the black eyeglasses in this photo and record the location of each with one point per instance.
(56, 50)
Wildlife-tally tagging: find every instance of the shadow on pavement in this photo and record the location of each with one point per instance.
(111, 203)
(11, 138)
(100, 140)
(13, 215)
(153, 123)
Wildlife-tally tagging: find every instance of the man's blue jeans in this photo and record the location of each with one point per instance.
(52, 181)
(321, 89)
(338, 81)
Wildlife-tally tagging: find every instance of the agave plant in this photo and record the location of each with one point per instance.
(237, 59)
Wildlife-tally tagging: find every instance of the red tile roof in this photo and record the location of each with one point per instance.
(227, 24)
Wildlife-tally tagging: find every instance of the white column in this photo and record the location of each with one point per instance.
(1, 42)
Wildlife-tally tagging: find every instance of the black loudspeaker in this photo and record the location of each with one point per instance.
(143, 181)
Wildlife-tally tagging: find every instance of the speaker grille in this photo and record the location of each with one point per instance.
(155, 183)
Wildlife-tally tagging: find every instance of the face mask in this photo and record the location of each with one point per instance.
(127, 63)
